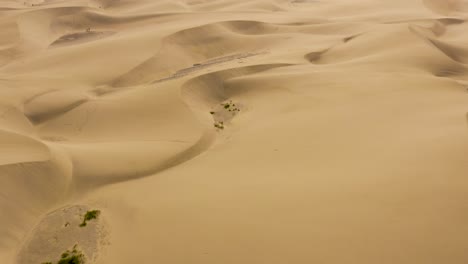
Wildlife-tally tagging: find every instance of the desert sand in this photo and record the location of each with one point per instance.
(234, 131)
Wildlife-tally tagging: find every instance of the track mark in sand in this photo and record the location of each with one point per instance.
(101, 91)
(60, 231)
(200, 66)
(105, 90)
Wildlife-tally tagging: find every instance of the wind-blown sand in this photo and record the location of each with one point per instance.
(348, 141)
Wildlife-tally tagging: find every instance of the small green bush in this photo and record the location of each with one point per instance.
(70, 257)
(90, 215)
(73, 259)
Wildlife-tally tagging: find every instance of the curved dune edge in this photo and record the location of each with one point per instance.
(17, 149)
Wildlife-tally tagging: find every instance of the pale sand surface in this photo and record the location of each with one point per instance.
(349, 145)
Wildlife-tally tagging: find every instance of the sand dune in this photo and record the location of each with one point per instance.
(234, 131)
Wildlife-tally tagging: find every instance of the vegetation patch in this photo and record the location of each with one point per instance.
(231, 107)
(223, 113)
(219, 125)
(90, 215)
(73, 256)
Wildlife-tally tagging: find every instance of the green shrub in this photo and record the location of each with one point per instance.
(70, 257)
(90, 215)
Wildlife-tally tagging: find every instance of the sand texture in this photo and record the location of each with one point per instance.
(234, 131)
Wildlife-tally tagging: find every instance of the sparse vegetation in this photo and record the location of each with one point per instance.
(90, 215)
(219, 125)
(224, 113)
(231, 107)
(73, 256)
